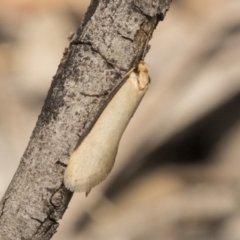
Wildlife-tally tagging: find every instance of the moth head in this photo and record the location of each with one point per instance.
(143, 79)
(142, 67)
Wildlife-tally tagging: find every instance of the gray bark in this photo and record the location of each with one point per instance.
(111, 40)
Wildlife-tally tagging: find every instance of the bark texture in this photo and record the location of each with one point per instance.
(111, 40)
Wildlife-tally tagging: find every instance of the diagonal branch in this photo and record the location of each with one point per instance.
(111, 40)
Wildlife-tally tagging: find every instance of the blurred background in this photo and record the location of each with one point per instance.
(176, 175)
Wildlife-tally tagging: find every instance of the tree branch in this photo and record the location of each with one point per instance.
(111, 40)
